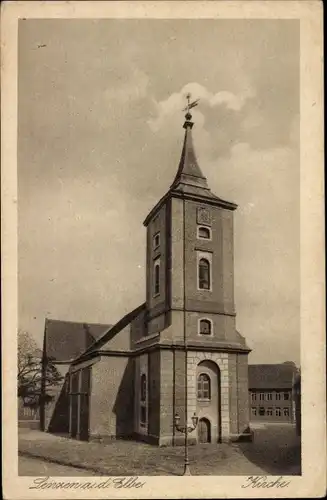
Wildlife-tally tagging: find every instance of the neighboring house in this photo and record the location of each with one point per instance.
(297, 401)
(271, 392)
(130, 383)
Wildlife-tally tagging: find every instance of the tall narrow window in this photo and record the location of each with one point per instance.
(204, 274)
(156, 241)
(253, 396)
(286, 412)
(156, 277)
(143, 400)
(143, 388)
(204, 389)
(278, 412)
(205, 327)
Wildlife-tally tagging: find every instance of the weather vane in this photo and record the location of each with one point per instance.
(190, 105)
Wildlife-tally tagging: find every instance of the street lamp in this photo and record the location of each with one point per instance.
(186, 429)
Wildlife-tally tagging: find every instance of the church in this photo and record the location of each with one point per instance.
(175, 360)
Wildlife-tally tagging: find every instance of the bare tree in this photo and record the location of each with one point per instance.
(35, 373)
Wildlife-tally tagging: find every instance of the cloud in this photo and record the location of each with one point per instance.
(134, 88)
(176, 102)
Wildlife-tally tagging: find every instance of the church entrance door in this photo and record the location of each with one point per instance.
(204, 431)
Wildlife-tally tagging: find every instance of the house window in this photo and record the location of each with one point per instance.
(204, 390)
(204, 274)
(204, 233)
(269, 412)
(156, 241)
(253, 396)
(278, 396)
(205, 327)
(262, 396)
(261, 411)
(269, 396)
(156, 277)
(278, 412)
(286, 396)
(286, 412)
(143, 400)
(254, 411)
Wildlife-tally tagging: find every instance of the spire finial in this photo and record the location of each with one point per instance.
(189, 106)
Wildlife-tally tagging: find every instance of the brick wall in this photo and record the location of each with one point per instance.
(166, 395)
(221, 298)
(154, 394)
(112, 397)
(157, 224)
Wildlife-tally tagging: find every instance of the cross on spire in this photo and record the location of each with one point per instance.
(189, 106)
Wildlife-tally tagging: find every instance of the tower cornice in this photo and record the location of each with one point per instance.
(213, 201)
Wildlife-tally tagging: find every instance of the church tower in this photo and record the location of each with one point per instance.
(190, 310)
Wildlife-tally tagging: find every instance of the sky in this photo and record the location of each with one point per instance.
(99, 140)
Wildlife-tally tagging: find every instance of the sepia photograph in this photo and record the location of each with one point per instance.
(159, 250)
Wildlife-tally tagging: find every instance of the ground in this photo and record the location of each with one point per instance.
(275, 450)
(36, 467)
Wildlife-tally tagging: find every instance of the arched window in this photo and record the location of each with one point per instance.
(204, 274)
(143, 388)
(204, 389)
(205, 327)
(156, 241)
(204, 233)
(156, 278)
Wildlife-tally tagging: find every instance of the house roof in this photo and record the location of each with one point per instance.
(65, 340)
(277, 376)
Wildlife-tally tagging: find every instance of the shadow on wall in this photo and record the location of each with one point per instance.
(124, 404)
(59, 420)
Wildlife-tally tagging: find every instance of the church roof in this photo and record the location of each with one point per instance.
(189, 182)
(65, 340)
(189, 172)
(272, 376)
(112, 331)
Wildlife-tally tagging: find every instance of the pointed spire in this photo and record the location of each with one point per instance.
(189, 172)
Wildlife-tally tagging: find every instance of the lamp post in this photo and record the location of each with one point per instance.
(186, 429)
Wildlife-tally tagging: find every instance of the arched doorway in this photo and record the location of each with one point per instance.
(208, 403)
(204, 431)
